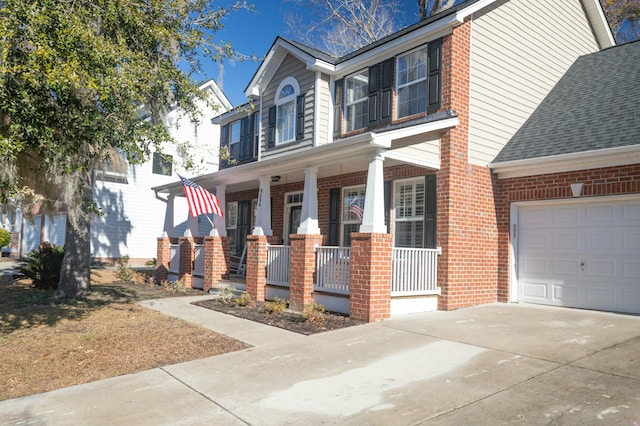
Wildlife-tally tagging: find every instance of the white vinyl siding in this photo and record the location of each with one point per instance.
(516, 58)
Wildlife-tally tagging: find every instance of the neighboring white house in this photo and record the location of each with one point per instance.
(132, 215)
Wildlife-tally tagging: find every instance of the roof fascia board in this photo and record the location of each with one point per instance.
(568, 162)
(462, 14)
(599, 23)
(421, 35)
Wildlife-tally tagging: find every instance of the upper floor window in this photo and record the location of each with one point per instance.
(162, 164)
(412, 83)
(286, 111)
(234, 140)
(356, 106)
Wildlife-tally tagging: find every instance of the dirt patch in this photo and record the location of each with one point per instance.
(289, 320)
(46, 346)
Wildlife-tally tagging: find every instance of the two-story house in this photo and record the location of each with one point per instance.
(387, 149)
(128, 224)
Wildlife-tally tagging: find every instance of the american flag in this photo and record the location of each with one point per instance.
(354, 207)
(199, 199)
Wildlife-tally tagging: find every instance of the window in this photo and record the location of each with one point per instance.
(412, 83)
(162, 164)
(234, 140)
(356, 106)
(352, 212)
(409, 213)
(286, 114)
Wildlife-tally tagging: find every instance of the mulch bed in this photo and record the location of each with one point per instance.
(289, 320)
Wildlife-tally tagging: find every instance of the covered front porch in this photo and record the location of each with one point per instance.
(300, 245)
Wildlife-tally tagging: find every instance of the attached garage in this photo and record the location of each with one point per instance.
(582, 253)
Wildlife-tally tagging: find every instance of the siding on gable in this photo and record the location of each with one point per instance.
(290, 67)
(325, 105)
(520, 49)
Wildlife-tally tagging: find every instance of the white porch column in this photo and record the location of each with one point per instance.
(168, 216)
(263, 215)
(373, 219)
(219, 221)
(309, 214)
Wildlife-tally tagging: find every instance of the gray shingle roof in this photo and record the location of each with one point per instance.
(595, 105)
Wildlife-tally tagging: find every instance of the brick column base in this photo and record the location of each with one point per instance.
(186, 261)
(256, 278)
(215, 266)
(302, 266)
(163, 254)
(370, 295)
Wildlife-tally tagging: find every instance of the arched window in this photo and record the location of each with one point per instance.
(286, 110)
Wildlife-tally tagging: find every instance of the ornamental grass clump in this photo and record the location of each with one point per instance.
(42, 266)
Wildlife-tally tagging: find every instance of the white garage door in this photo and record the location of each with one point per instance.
(578, 254)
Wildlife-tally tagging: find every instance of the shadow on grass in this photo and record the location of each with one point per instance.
(23, 306)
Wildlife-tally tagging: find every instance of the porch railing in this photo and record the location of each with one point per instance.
(278, 270)
(333, 269)
(198, 260)
(174, 259)
(414, 272)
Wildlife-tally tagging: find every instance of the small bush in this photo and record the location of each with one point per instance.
(5, 238)
(314, 312)
(42, 266)
(276, 307)
(243, 300)
(123, 271)
(174, 286)
(226, 293)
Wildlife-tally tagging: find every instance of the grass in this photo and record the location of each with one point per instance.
(46, 346)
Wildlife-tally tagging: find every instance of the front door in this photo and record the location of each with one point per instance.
(244, 224)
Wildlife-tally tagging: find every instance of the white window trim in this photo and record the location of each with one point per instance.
(400, 86)
(343, 221)
(347, 105)
(291, 98)
(396, 206)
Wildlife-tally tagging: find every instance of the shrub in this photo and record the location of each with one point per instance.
(174, 286)
(42, 266)
(5, 238)
(226, 293)
(313, 312)
(243, 300)
(276, 307)
(123, 271)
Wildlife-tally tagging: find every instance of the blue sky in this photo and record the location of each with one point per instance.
(254, 32)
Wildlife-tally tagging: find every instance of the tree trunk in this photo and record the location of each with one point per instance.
(75, 274)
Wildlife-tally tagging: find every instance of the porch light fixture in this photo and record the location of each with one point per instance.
(576, 189)
(275, 178)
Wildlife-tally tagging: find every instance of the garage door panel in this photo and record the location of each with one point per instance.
(586, 254)
(565, 294)
(566, 267)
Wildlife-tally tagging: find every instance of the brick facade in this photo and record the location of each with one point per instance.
(303, 267)
(597, 182)
(186, 261)
(256, 278)
(162, 259)
(370, 298)
(215, 263)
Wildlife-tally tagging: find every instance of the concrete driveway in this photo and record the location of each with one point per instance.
(492, 364)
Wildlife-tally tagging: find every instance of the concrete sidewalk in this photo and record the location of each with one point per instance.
(493, 364)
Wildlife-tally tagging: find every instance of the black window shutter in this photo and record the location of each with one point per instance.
(224, 145)
(430, 210)
(386, 89)
(246, 138)
(334, 216)
(271, 140)
(337, 107)
(300, 117)
(387, 205)
(374, 86)
(435, 75)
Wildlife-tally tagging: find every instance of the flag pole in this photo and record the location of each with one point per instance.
(212, 225)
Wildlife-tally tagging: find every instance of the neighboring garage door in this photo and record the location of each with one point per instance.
(580, 254)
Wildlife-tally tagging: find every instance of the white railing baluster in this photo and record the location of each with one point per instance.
(333, 269)
(278, 269)
(414, 271)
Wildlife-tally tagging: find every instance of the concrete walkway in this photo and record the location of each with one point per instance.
(493, 364)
